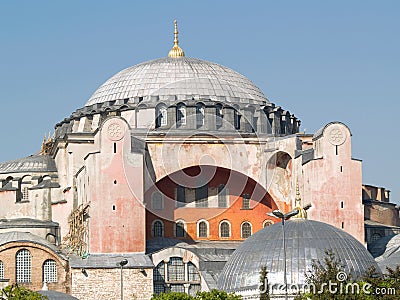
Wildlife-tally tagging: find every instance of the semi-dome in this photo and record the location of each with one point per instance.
(179, 77)
(306, 241)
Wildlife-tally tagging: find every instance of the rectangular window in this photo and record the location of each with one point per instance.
(222, 201)
(180, 196)
(245, 201)
(201, 195)
(176, 269)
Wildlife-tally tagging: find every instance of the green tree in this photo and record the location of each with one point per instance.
(211, 295)
(15, 292)
(264, 287)
(216, 295)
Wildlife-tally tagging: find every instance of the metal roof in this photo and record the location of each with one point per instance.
(166, 77)
(33, 163)
(306, 240)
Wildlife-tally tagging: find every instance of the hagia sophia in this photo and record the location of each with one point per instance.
(167, 179)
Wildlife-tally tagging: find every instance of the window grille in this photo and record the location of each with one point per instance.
(158, 275)
(193, 289)
(246, 230)
(201, 195)
(181, 115)
(49, 271)
(245, 201)
(222, 196)
(180, 229)
(1, 270)
(23, 266)
(176, 269)
(225, 231)
(163, 116)
(158, 229)
(25, 193)
(203, 229)
(177, 288)
(193, 273)
(159, 288)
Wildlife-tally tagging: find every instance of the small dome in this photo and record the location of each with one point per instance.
(391, 257)
(306, 241)
(177, 76)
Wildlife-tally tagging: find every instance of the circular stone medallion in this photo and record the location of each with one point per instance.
(337, 136)
(115, 131)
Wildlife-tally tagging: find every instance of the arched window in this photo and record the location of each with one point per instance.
(181, 115)
(218, 115)
(236, 119)
(267, 223)
(179, 229)
(1, 270)
(157, 200)
(176, 276)
(49, 271)
(224, 229)
(375, 237)
(158, 229)
(200, 113)
(161, 116)
(246, 230)
(23, 266)
(202, 231)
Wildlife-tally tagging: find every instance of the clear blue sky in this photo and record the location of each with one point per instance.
(322, 60)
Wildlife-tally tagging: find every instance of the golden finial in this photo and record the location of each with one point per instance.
(176, 51)
(47, 145)
(302, 211)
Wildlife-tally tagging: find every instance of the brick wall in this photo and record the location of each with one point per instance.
(39, 254)
(104, 284)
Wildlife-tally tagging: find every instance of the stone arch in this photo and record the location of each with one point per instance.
(279, 176)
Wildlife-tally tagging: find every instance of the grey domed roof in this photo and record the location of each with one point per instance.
(391, 257)
(305, 240)
(183, 76)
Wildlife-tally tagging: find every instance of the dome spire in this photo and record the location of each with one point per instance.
(176, 51)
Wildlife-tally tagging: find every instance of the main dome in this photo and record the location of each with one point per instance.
(181, 77)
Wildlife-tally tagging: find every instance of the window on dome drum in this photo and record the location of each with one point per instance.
(245, 201)
(180, 196)
(246, 230)
(23, 262)
(203, 229)
(200, 113)
(49, 271)
(158, 229)
(225, 230)
(236, 119)
(157, 200)
(179, 229)
(201, 195)
(218, 115)
(222, 201)
(1, 270)
(181, 115)
(162, 116)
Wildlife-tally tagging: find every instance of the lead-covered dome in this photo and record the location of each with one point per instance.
(178, 77)
(305, 240)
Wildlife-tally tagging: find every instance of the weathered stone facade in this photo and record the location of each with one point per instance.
(105, 284)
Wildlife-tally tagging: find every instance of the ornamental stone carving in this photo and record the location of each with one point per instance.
(337, 136)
